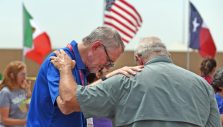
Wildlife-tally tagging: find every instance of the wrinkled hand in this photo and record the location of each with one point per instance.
(127, 71)
(62, 60)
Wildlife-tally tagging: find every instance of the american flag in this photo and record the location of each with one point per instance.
(123, 17)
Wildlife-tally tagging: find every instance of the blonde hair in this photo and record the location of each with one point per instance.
(10, 74)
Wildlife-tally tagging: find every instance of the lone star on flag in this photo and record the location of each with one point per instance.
(195, 25)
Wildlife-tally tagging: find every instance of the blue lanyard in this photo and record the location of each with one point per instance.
(80, 72)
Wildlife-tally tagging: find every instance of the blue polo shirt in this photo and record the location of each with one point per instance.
(43, 110)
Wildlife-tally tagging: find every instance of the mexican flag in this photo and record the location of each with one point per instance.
(36, 42)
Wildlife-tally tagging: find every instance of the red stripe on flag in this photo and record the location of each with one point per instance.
(124, 2)
(122, 16)
(117, 28)
(126, 41)
(118, 21)
(130, 14)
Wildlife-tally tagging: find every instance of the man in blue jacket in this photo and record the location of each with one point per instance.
(97, 51)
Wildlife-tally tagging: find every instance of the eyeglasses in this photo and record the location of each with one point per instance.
(109, 63)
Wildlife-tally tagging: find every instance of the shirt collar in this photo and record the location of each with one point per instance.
(159, 59)
(79, 63)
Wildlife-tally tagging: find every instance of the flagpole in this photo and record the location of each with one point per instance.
(104, 6)
(23, 57)
(185, 39)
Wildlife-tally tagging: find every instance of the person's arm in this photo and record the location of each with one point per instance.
(67, 100)
(127, 71)
(6, 120)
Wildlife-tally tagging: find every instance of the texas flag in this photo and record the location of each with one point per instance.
(200, 36)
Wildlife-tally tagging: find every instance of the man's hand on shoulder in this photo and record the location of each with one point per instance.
(127, 71)
(62, 61)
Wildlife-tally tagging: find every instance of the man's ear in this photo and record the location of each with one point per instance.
(139, 60)
(95, 45)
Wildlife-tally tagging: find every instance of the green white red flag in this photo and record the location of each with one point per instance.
(36, 43)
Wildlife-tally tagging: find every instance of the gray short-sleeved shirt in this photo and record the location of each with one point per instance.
(162, 95)
(15, 100)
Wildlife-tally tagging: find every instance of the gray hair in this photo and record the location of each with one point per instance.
(150, 47)
(109, 37)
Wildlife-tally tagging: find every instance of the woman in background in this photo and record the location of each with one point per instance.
(207, 69)
(14, 91)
